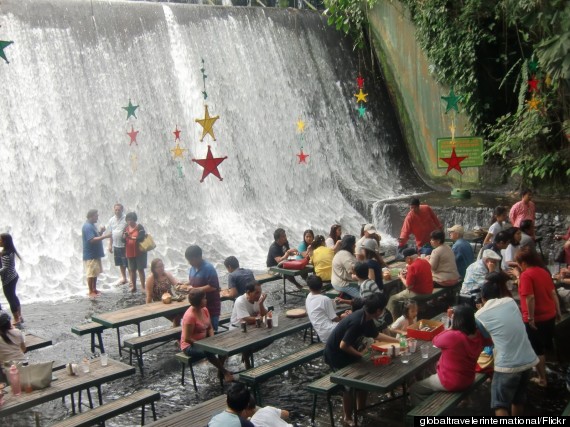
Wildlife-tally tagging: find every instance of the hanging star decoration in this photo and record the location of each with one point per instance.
(453, 162)
(452, 129)
(360, 81)
(361, 110)
(533, 103)
(532, 66)
(361, 96)
(300, 126)
(178, 151)
(452, 101)
(176, 134)
(133, 135)
(207, 124)
(131, 110)
(3, 45)
(210, 165)
(302, 156)
(533, 84)
(134, 162)
(204, 77)
(548, 80)
(180, 173)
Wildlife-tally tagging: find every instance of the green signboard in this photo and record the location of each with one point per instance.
(470, 146)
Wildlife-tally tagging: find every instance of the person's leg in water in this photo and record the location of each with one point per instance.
(142, 278)
(13, 301)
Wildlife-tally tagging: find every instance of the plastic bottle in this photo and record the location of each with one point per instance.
(14, 377)
(269, 320)
(403, 344)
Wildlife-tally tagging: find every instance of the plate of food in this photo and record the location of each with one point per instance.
(296, 313)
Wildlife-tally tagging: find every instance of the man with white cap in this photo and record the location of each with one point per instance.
(476, 272)
(462, 249)
(368, 232)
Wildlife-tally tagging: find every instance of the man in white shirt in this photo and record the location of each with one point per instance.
(267, 416)
(320, 309)
(117, 224)
(246, 309)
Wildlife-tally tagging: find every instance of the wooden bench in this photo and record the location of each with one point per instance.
(33, 342)
(186, 360)
(442, 401)
(253, 377)
(137, 344)
(109, 410)
(198, 415)
(94, 329)
(266, 277)
(323, 387)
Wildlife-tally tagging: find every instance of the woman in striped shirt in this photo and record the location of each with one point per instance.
(9, 275)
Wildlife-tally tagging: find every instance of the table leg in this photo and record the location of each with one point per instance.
(139, 328)
(354, 408)
(73, 404)
(119, 341)
(284, 291)
(100, 394)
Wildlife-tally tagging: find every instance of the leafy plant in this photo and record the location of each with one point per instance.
(349, 16)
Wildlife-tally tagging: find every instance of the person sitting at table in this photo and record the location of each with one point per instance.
(416, 277)
(527, 231)
(335, 236)
(196, 325)
(368, 231)
(499, 244)
(366, 286)
(320, 309)
(342, 265)
(371, 256)
(460, 348)
(279, 251)
(500, 215)
(202, 275)
(247, 308)
(322, 258)
(268, 416)
(410, 316)
(508, 261)
(340, 349)
(442, 261)
(305, 245)
(238, 278)
(461, 248)
(476, 272)
(158, 283)
(237, 400)
(12, 341)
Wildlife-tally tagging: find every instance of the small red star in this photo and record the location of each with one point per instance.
(454, 162)
(302, 157)
(210, 165)
(176, 134)
(133, 134)
(533, 84)
(360, 81)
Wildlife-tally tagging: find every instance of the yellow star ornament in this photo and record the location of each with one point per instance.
(207, 124)
(300, 126)
(177, 151)
(533, 103)
(361, 96)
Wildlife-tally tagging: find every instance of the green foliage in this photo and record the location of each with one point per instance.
(349, 16)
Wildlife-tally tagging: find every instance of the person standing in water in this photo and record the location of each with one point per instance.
(10, 275)
(117, 224)
(93, 250)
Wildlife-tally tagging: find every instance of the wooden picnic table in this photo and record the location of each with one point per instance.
(235, 341)
(33, 342)
(137, 314)
(284, 272)
(198, 415)
(67, 384)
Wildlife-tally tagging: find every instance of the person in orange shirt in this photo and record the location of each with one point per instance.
(420, 221)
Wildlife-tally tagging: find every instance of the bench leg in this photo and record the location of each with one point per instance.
(79, 393)
(92, 342)
(119, 342)
(100, 394)
(138, 354)
(314, 409)
(193, 377)
(284, 291)
(153, 411)
(90, 398)
(73, 404)
(142, 416)
(329, 401)
(183, 371)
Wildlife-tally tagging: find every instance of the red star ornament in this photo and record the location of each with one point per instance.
(210, 165)
(533, 84)
(133, 135)
(360, 81)
(453, 162)
(176, 134)
(302, 157)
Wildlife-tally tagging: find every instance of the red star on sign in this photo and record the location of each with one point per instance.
(210, 165)
(360, 81)
(454, 162)
(176, 134)
(533, 84)
(133, 134)
(302, 157)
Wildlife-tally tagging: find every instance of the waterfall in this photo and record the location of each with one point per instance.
(65, 147)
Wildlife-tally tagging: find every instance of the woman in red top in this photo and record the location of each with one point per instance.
(132, 235)
(196, 325)
(539, 305)
(460, 348)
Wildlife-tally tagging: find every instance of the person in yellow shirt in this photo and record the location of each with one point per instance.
(321, 258)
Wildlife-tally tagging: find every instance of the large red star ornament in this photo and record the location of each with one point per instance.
(453, 162)
(302, 157)
(533, 84)
(133, 135)
(176, 134)
(210, 165)
(360, 81)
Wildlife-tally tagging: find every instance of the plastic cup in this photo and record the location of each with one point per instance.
(85, 367)
(412, 343)
(445, 321)
(425, 351)
(104, 359)
(275, 320)
(405, 356)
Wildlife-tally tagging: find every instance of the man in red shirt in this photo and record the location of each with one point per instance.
(420, 221)
(525, 209)
(416, 277)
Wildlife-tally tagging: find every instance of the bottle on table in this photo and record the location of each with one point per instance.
(14, 378)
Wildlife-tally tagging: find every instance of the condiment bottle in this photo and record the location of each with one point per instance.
(270, 320)
(14, 377)
(403, 344)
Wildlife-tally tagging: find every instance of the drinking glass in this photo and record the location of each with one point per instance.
(104, 359)
(425, 351)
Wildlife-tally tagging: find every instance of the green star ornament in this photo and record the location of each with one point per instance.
(4, 45)
(361, 110)
(131, 110)
(452, 101)
(532, 66)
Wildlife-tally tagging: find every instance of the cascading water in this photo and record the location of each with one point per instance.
(74, 64)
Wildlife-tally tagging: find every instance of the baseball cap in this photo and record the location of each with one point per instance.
(457, 228)
(370, 229)
(370, 244)
(491, 254)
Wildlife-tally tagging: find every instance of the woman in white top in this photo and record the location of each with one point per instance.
(511, 252)
(12, 345)
(498, 223)
(442, 261)
(342, 266)
(334, 237)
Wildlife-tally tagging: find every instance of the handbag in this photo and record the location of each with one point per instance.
(297, 264)
(37, 375)
(147, 244)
